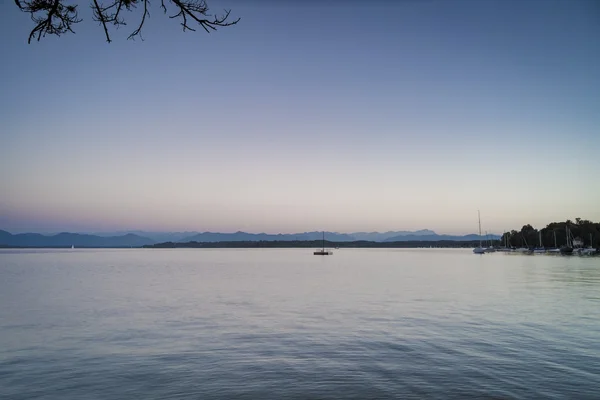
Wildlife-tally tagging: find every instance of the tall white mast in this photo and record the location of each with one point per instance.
(479, 219)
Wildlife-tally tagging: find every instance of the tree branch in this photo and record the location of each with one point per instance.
(100, 16)
(51, 17)
(192, 7)
(55, 17)
(139, 28)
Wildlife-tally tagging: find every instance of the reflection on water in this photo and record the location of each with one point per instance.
(275, 323)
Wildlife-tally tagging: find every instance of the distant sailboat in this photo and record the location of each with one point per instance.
(554, 250)
(322, 251)
(490, 248)
(480, 249)
(567, 249)
(506, 247)
(72, 246)
(541, 249)
(590, 250)
(524, 249)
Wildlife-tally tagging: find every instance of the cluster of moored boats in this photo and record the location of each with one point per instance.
(572, 247)
(565, 250)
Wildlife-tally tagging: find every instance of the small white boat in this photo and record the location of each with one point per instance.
(524, 250)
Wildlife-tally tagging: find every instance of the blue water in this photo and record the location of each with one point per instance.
(274, 324)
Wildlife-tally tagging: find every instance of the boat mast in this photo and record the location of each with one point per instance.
(541, 239)
(555, 245)
(323, 241)
(479, 219)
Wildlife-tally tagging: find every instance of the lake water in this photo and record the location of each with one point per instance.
(282, 323)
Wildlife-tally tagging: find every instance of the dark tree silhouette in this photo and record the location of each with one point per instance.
(586, 230)
(56, 17)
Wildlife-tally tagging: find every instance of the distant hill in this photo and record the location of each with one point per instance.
(158, 237)
(314, 244)
(436, 237)
(140, 239)
(399, 236)
(72, 239)
(380, 237)
(245, 237)
(208, 237)
(4, 237)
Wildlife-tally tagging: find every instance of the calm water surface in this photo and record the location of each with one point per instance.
(274, 324)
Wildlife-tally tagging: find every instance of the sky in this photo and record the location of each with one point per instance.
(334, 115)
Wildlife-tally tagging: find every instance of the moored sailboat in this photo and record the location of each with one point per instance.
(541, 249)
(590, 250)
(322, 251)
(524, 249)
(556, 249)
(506, 248)
(567, 249)
(480, 249)
(490, 248)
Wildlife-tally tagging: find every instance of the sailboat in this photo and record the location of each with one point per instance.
(541, 249)
(524, 249)
(567, 249)
(555, 250)
(480, 249)
(490, 248)
(506, 247)
(322, 251)
(590, 250)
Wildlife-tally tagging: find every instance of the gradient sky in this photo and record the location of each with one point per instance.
(334, 115)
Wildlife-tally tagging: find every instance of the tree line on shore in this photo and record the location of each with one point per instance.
(586, 231)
